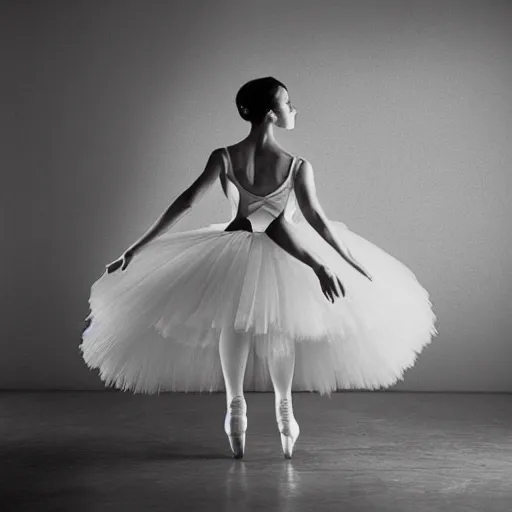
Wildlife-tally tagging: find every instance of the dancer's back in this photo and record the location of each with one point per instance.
(259, 184)
(260, 171)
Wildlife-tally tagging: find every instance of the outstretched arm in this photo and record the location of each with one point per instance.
(305, 192)
(283, 234)
(183, 204)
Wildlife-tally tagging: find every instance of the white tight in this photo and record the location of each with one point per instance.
(234, 351)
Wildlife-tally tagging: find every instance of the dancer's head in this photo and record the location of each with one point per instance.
(266, 101)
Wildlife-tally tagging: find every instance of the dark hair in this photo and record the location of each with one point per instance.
(257, 97)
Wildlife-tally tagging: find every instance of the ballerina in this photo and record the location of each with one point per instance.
(188, 310)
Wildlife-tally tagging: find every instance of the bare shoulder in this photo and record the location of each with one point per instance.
(216, 159)
(304, 183)
(304, 162)
(305, 192)
(304, 169)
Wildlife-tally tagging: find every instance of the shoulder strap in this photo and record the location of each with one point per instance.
(227, 161)
(227, 165)
(298, 163)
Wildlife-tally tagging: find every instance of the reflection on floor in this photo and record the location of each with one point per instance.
(358, 451)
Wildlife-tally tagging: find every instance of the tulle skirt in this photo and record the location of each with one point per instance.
(156, 326)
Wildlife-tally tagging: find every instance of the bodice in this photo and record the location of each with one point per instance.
(260, 210)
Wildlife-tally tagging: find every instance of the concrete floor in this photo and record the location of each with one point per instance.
(358, 451)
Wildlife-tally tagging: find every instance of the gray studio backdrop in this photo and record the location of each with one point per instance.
(111, 108)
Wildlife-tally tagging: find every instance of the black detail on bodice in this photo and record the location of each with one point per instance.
(240, 224)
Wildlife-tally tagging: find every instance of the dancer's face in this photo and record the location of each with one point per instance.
(284, 112)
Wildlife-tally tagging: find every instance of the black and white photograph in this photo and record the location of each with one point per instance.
(257, 256)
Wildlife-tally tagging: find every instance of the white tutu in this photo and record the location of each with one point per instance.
(156, 326)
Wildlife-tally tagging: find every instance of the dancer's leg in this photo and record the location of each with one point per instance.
(281, 372)
(234, 352)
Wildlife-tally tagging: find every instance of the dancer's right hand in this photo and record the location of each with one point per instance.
(350, 259)
(330, 283)
(120, 262)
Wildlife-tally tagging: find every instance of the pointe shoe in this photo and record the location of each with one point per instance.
(288, 426)
(235, 425)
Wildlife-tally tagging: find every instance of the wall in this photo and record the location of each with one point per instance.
(110, 110)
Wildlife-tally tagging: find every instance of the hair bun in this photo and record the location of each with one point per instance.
(256, 97)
